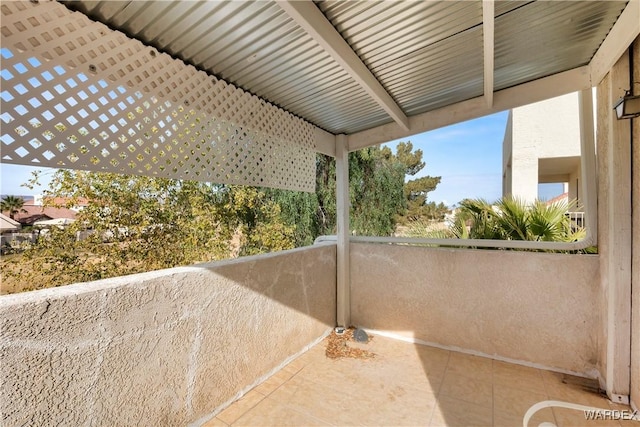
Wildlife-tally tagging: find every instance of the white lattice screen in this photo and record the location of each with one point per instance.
(78, 95)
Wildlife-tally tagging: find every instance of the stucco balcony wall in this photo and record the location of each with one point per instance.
(536, 308)
(160, 348)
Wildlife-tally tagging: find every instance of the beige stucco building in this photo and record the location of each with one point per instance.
(542, 145)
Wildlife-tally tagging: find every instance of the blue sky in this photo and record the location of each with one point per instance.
(13, 176)
(468, 157)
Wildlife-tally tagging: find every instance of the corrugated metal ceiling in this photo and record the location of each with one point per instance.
(426, 54)
(544, 38)
(254, 45)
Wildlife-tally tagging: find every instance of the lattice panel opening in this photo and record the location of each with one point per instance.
(76, 94)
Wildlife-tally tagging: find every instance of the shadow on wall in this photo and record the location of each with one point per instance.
(164, 347)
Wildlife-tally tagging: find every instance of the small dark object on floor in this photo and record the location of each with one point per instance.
(360, 335)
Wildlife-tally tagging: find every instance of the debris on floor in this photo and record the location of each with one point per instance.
(338, 344)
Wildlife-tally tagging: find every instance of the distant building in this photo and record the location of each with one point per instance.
(8, 225)
(30, 214)
(542, 145)
(39, 200)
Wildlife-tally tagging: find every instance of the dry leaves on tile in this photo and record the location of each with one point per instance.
(338, 346)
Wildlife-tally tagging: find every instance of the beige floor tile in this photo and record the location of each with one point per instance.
(273, 382)
(363, 376)
(389, 346)
(629, 423)
(433, 360)
(271, 413)
(508, 420)
(391, 372)
(432, 354)
(467, 389)
(502, 420)
(294, 366)
(333, 371)
(517, 376)
(625, 415)
(319, 401)
(399, 387)
(466, 365)
(513, 401)
(452, 413)
(397, 406)
(314, 354)
(240, 407)
(215, 422)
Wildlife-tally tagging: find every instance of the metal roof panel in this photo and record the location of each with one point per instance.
(426, 54)
(544, 38)
(253, 45)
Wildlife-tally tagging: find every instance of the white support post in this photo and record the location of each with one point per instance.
(617, 279)
(343, 309)
(588, 165)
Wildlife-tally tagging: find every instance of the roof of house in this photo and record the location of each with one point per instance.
(560, 198)
(8, 224)
(37, 213)
(59, 201)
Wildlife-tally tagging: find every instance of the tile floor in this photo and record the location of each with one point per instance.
(407, 384)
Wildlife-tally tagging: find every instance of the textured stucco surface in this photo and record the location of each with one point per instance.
(533, 307)
(542, 130)
(163, 348)
(602, 148)
(635, 271)
(617, 231)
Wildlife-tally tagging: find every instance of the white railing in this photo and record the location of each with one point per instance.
(577, 220)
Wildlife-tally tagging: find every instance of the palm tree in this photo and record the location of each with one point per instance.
(476, 219)
(12, 204)
(512, 219)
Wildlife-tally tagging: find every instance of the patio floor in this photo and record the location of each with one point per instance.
(407, 384)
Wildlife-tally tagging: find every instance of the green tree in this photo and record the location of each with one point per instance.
(416, 191)
(134, 224)
(301, 211)
(13, 205)
(411, 159)
(378, 194)
(137, 224)
(326, 194)
(376, 179)
(257, 220)
(376, 190)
